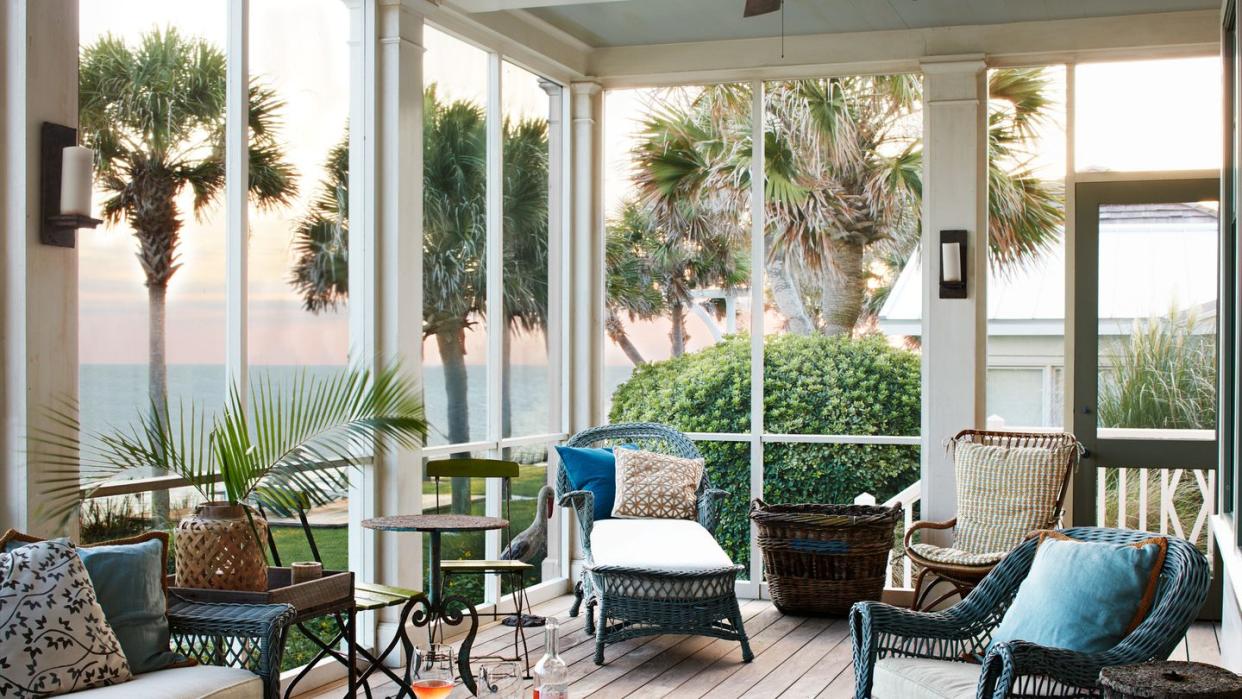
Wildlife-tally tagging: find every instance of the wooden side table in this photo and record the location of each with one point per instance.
(1169, 680)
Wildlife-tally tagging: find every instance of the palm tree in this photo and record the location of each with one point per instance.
(154, 113)
(454, 243)
(321, 241)
(630, 287)
(652, 269)
(843, 180)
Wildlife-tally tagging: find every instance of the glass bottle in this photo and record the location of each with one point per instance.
(551, 675)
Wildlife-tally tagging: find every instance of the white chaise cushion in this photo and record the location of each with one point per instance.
(197, 682)
(675, 545)
(920, 678)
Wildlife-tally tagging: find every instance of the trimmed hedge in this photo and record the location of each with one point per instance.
(813, 385)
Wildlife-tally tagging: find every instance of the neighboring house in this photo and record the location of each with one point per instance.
(1153, 258)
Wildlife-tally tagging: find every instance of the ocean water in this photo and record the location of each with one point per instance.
(111, 395)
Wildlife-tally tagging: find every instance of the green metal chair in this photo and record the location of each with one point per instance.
(368, 597)
(514, 571)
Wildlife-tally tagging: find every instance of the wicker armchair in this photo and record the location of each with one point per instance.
(961, 566)
(1021, 669)
(647, 601)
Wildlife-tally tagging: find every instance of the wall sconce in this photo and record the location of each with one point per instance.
(65, 186)
(952, 264)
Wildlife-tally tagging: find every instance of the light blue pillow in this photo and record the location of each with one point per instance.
(1083, 596)
(129, 582)
(593, 469)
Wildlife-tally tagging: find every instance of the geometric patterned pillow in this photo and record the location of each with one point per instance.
(656, 486)
(1004, 493)
(53, 637)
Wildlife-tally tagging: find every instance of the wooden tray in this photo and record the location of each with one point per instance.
(333, 587)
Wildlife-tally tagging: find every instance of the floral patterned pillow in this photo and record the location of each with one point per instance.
(656, 486)
(53, 637)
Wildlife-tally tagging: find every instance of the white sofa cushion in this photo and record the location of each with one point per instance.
(920, 678)
(674, 545)
(197, 682)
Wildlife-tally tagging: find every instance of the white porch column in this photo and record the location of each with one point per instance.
(586, 295)
(387, 263)
(954, 330)
(556, 301)
(39, 301)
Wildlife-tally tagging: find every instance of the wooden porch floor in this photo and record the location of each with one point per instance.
(794, 657)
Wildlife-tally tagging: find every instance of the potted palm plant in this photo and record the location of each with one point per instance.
(285, 444)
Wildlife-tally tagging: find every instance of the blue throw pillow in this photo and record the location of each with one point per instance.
(593, 469)
(1083, 596)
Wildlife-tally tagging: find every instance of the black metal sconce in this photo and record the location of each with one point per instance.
(952, 264)
(63, 217)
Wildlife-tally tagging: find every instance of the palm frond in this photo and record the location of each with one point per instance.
(299, 440)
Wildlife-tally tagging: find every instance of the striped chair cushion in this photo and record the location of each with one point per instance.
(1003, 493)
(957, 557)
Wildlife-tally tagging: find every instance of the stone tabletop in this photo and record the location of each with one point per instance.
(1169, 679)
(433, 523)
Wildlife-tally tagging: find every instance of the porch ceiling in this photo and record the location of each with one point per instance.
(639, 22)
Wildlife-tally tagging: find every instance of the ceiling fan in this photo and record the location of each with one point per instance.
(754, 8)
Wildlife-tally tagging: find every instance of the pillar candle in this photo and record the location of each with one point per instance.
(75, 181)
(951, 261)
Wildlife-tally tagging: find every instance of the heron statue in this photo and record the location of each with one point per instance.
(531, 545)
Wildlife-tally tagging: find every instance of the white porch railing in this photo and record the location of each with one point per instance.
(899, 573)
(1169, 501)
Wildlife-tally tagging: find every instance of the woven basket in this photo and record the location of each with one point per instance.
(821, 559)
(217, 549)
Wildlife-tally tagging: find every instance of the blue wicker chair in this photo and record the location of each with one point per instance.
(1018, 668)
(645, 601)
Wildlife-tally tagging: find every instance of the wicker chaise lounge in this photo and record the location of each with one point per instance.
(653, 576)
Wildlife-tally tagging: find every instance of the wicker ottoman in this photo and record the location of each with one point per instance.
(652, 577)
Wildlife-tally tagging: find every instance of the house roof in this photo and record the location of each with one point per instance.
(1152, 258)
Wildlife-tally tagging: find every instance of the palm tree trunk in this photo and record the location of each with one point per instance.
(677, 336)
(788, 297)
(616, 333)
(157, 384)
(451, 342)
(843, 287)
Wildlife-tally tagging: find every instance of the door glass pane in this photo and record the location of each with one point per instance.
(1157, 320)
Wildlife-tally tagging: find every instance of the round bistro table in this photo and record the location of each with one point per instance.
(1169, 680)
(435, 526)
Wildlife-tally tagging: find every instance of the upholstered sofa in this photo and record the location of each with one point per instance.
(226, 651)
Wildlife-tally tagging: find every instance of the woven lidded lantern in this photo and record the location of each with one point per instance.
(217, 549)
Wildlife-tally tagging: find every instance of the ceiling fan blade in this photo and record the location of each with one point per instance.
(755, 8)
